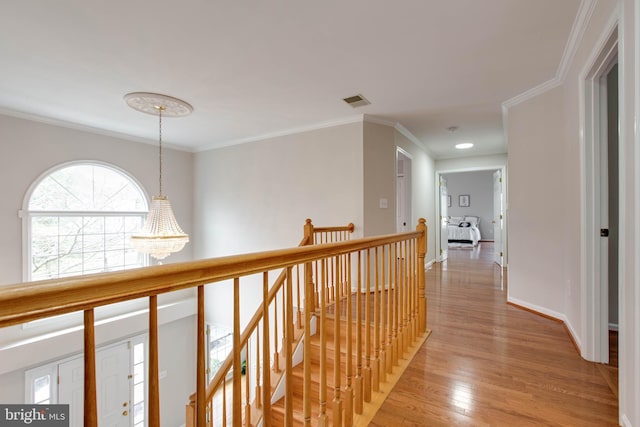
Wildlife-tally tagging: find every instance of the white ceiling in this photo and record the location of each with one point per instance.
(257, 68)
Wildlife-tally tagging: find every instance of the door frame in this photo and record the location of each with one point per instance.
(407, 197)
(505, 234)
(442, 254)
(595, 294)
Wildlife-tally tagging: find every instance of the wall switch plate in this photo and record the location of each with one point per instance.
(163, 374)
(384, 203)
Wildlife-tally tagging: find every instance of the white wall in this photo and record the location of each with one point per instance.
(479, 186)
(256, 196)
(544, 197)
(539, 205)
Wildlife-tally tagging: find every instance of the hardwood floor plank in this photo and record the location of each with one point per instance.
(488, 363)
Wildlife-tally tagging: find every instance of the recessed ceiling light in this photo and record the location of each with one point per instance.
(464, 145)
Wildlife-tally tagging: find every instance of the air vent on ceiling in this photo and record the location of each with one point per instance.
(356, 101)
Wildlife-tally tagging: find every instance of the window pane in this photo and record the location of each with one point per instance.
(138, 393)
(87, 188)
(138, 353)
(44, 225)
(114, 224)
(114, 260)
(44, 267)
(138, 413)
(133, 223)
(114, 242)
(70, 264)
(70, 225)
(42, 389)
(93, 262)
(45, 245)
(138, 373)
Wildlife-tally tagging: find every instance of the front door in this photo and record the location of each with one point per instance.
(112, 386)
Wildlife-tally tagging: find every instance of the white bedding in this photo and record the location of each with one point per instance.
(470, 235)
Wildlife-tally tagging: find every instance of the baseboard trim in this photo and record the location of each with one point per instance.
(625, 421)
(551, 315)
(429, 264)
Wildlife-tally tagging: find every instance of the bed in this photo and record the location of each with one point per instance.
(463, 230)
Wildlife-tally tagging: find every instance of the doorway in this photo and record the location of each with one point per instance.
(120, 384)
(445, 204)
(404, 220)
(482, 190)
(600, 201)
(112, 379)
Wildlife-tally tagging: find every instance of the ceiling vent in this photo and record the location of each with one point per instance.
(356, 101)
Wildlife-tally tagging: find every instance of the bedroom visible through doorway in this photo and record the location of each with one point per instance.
(470, 208)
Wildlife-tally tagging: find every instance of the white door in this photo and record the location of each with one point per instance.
(112, 386)
(401, 217)
(403, 192)
(71, 389)
(444, 219)
(498, 217)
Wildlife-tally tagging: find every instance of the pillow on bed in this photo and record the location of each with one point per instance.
(464, 224)
(455, 220)
(474, 220)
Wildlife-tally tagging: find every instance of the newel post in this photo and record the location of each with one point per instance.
(308, 232)
(422, 251)
(309, 287)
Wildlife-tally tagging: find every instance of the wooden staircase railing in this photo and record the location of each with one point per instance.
(324, 280)
(387, 316)
(259, 330)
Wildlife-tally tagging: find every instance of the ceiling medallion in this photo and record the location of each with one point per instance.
(152, 103)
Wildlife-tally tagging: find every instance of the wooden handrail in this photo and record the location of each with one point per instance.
(24, 302)
(398, 312)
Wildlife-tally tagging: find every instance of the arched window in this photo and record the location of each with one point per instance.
(79, 220)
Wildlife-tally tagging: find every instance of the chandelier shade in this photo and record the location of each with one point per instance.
(161, 235)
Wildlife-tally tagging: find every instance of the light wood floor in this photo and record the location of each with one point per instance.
(489, 363)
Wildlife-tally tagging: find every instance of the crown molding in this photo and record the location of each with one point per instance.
(89, 129)
(411, 137)
(285, 132)
(399, 127)
(585, 10)
(378, 120)
(347, 120)
(531, 93)
(575, 36)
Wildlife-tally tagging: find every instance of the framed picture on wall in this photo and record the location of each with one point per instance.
(464, 200)
(449, 201)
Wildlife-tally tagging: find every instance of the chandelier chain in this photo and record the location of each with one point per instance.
(160, 108)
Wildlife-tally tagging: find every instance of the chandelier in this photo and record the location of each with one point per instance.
(161, 235)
